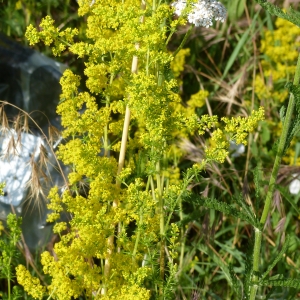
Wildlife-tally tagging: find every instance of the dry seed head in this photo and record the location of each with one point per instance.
(54, 134)
(27, 152)
(43, 160)
(11, 149)
(18, 129)
(25, 127)
(4, 121)
(39, 180)
(35, 186)
(17, 123)
(280, 225)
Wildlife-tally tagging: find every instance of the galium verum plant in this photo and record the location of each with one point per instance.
(122, 240)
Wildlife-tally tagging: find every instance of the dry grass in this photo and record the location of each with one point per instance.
(43, 158)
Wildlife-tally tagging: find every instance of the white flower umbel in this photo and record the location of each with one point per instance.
(203, 12)
(179, 6)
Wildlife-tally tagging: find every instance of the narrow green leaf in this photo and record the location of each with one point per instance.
(218, 261)
(288, 197)
(297, 152)
(237, 285)
(277, 258)
(236, 51)
(293, 283)
(235, 9)
(247, 209)
(239, 46)
(248, 269)
(291, 15)
(228, 210)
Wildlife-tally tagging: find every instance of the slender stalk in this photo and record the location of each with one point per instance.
(105, 140)
(162, 224)
(188, 33)
(123, 146)
(272, 182)
(169, 37)
(189, 180)
(110, 241)
(138, 236)
(182, 243)
(256, 260)
(8, 281)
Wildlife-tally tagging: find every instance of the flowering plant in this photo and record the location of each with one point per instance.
(123, 238)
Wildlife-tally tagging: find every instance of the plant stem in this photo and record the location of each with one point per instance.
(162, 224)
(138, 236)
(188, 33)
(105, 140)
(256, 259)
(8, 280)
(182, 243)
(272, 182)
(110, 241)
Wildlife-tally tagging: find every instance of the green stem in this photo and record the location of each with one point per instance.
(177, 200)
(8, 280)
(188, 33)
(283, 137)
(138, 236)
(272, 182)
(256, 260)
(170, 35)
(64, 42)
(182, 246)
(162, 222)
(105, 139)
(53, 291)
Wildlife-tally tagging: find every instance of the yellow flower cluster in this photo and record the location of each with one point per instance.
(177, 64)
(50, 34)
(31, 284)
(197, 100)
(128, 292)
(1, 227)
(235, 129)
(2, 186)
(238, 128)
(280, 49)
(174, 244)
(218, 148)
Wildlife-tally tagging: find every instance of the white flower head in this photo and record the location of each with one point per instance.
(203, 12)
(179, 6)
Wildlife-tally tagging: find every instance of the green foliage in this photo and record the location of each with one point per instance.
(9, 256)
(243, 213)
(294, 283)
(248, 270)
(276, 260)
(291, 16)
(295, 124)
(235, 9)
(236, 283)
